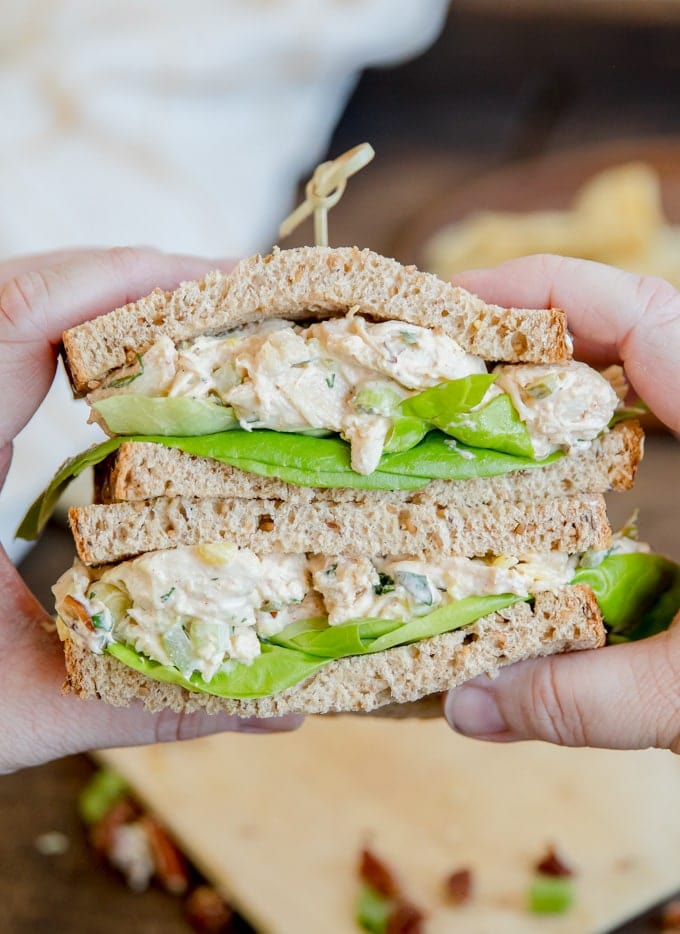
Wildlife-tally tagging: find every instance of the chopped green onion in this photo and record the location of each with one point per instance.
(373, 910)
(104, 789)
(550, 895)
(417, 585)
(540, 390)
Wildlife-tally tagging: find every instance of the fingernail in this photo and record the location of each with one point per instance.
(473, 711)
(270, 724)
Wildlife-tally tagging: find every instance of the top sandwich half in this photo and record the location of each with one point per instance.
(307, 283)
(340, 342)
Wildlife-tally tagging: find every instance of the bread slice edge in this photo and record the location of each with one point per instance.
(105, 534)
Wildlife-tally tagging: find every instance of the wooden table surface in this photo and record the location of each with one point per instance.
(487, 93)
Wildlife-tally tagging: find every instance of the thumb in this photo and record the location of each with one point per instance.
(620, 697)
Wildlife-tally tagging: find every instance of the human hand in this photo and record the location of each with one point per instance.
(40, 297)
(623, 696)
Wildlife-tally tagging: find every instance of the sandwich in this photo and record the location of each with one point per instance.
(334, 483)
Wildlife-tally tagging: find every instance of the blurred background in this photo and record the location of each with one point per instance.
(499, 128)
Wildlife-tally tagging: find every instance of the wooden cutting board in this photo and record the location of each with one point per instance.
(277, 822)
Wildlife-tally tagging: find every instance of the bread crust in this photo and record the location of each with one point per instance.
(310, 282)
(565, 620)
(106, 534)
(142, 470)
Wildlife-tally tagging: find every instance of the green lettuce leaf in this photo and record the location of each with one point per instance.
(303, 648)
(638, 593)
(452, 408)
(274, 670)
(146, 415)
(43, 507)
(455, 395)
(496, 426)
(359, 637)
(301, 460)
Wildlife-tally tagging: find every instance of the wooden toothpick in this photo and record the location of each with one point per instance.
(324, 190)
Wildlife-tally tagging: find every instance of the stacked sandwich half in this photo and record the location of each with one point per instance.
(333, 483)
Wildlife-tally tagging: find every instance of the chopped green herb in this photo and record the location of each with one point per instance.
(126, 380)
(386, 584)
(92, 596)
(331, 569)
(409, 337)
(330, 380)
(301, 363)
(98, 620)
(166, 596)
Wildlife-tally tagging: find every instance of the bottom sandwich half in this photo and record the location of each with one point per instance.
(564, 620)
(302, 616)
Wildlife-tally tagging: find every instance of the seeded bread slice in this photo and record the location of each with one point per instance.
(106, 534)
(141, 470)
(565, 620)
(312, 282)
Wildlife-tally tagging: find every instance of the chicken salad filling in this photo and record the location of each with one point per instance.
(350, 376)
(203, 608)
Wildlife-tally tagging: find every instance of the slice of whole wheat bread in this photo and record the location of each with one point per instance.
(312, 282)
(565, 620)
(141, 470)
(109, 533)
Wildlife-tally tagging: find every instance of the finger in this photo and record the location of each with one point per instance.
(17, 265)
(40, 723)
(621, 697)
(620, 315)
(34, 262)
(69, 725)
(38, 304)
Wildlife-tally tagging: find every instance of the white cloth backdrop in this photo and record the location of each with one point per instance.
(183, 125)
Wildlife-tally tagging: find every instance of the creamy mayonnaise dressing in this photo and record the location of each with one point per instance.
(563, 405)
(203, 607)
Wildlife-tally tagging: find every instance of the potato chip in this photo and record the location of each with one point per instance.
(616, 218)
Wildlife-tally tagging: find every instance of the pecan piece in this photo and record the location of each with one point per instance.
(207, 912)
(406, 918)
(171, 868)
(553, 865)
(376, 874)
(77, 610)
(670, 916)
(458, 886)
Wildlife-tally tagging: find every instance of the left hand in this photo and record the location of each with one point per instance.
(40, 297)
